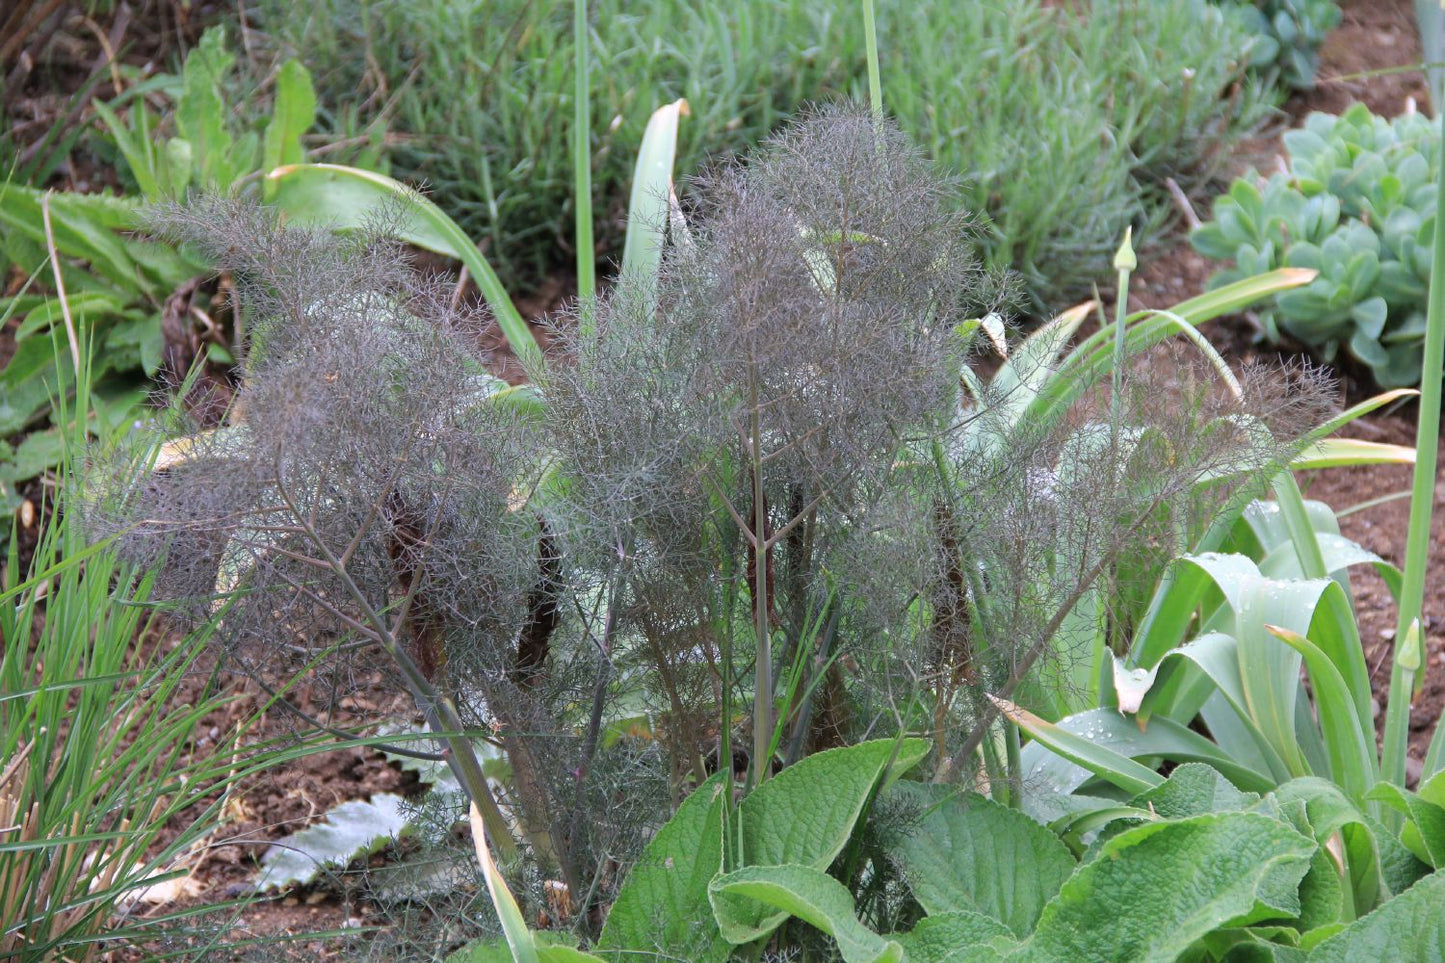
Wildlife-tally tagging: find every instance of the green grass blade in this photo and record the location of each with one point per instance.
(1422, 503)
(1094, 357)
(1338, 452)
(875, 82)
(582, 155)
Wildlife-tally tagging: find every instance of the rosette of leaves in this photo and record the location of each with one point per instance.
(1356, 204)
(1288, 35)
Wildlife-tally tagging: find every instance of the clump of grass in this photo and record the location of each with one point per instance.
(1066, 120)
(481, 96)
(1063, 122)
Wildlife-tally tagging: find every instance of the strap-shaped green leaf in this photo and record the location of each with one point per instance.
(345, 197)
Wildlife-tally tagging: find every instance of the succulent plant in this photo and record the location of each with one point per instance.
(1288, 35)
(1356, 204)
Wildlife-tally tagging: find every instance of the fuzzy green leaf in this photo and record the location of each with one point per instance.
(809, 894)
(1153, 890)
(665, 895)
(806, 813)
(968, 853)
(1409, 927)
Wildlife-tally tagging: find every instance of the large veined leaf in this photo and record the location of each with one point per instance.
(968, 853)
(350, 831)
(1155, 889)
(802, 816)
(960, 937)
(806, 813)
(665, 895)
(1334, 819)
(1253, 943)
(1424, 831)
(1409, 927)
(809, 894)
(1194, 789)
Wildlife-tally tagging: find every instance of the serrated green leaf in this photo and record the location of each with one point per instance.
(294, 113)
(201, 111)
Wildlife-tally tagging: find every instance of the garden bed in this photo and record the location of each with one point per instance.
(1376, 34)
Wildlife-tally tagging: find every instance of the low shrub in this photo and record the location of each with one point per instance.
(1356, 203)
(1064, 123)
(762, 510)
